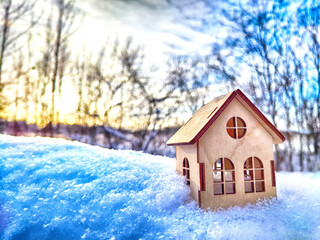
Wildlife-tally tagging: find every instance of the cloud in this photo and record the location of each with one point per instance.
(179, 26)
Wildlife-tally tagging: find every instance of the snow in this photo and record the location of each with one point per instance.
(57, 189)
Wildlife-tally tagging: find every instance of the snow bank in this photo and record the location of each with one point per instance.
(55, 189)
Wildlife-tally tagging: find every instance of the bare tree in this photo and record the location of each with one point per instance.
(20, 73)
(64, 22)
(188, 80)
(259, 38)
(41, 83)
(12, 13)
(79, 79)
(120, 94)
(308, 18)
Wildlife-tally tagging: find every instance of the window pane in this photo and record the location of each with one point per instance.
(260, 186)
(228, 165)
(236, 129)
(188, 174)
(218, 164)
(231, 132)
(259, 174)
(217, 176)
(230, 188)
(231, 122)
(184, 172)
(218, 189)
(185, 163)
(202, 177)
(248, 186)
(229, 176)
(188, 182)
(241, 132)
(248, 163)
(273, 173)
(248, 175)
(257, 163)
(240, 122)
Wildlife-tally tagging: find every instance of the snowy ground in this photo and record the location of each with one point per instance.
(55, 189)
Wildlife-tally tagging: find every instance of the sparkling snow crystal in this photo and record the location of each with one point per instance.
(55, 189)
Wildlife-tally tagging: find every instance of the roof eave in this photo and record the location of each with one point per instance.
(208, 124)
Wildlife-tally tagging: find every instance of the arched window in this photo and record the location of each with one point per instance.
(186, 170)
(236, 127)
(253, 175)
(223, 177)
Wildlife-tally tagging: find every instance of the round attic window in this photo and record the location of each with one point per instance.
(236, 127)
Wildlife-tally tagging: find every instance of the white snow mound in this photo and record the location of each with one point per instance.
(57, 189)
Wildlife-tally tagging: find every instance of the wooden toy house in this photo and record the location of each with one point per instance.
(225, 151)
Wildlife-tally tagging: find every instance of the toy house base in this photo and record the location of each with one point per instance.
(226, 153)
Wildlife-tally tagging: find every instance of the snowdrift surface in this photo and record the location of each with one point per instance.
(55, 189)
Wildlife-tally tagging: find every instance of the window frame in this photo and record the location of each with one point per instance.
(235, 128)
(253, 175)
(186, 169)
(220, 168)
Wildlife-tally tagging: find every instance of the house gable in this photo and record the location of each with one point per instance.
(217, 144)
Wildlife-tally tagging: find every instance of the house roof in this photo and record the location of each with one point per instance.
(202, 119)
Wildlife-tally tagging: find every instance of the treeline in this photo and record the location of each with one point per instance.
(274, 46)
(271, 51)
(114, 86)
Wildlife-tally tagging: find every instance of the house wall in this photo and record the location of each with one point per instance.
(190, 152)
(216, 143)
